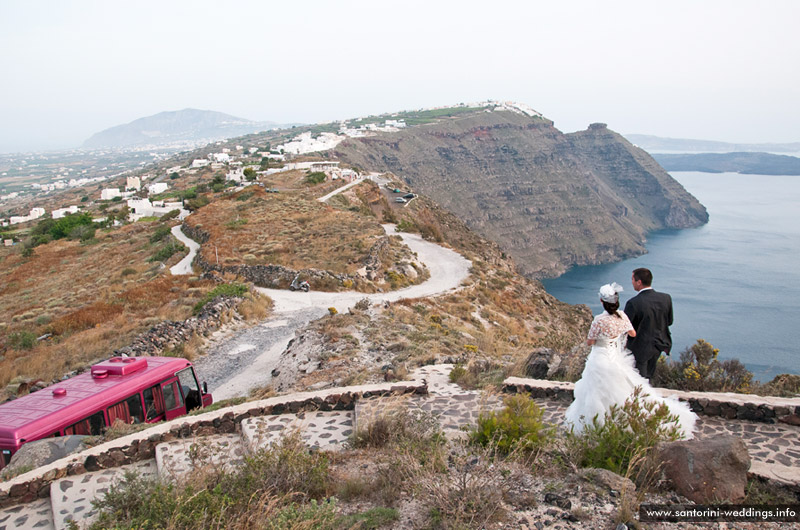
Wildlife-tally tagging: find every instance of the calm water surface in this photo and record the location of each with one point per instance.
(735, 282)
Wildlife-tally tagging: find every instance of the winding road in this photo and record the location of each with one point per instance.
(244, 360)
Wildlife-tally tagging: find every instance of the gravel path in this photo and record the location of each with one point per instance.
(184, 266)
(239, 361)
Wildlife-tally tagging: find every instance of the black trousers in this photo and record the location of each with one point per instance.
(647, 367)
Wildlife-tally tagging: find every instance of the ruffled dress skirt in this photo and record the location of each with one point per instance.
(609, 378)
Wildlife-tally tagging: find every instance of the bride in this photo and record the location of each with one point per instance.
(610, 375)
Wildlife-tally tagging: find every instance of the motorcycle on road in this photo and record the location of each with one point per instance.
(297, 285)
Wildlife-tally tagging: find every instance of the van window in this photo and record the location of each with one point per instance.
(172, 396)
(191, 392)
(153, 402)
(128, 411)
(91, 425)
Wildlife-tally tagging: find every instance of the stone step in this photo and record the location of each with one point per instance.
(71, 497)
(454, 412)
(178, 457)
(328, 431)
(37, 514)
(786, 475)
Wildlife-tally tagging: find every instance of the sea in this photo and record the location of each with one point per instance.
(734, 282)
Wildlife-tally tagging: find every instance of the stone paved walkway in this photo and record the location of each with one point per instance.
(774, 448)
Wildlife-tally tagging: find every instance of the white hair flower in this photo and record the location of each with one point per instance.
(610, 292)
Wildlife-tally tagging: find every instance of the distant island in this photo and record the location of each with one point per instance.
(683, 145)
(747, 163)
(181, 126)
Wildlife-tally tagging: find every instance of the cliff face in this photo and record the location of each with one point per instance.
(551, 200)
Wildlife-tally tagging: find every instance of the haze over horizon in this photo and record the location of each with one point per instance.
(717, 70)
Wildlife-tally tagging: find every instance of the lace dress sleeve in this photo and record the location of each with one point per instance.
(607, 326)
(594, 330)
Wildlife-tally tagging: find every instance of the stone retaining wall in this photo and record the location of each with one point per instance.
(765, 409)
(142, 445)
(169, 334)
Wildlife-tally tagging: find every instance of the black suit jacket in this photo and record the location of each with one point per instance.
(650, 313)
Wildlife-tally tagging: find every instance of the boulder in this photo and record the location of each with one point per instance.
(542, 363)
(706, 471)
(41, 452)
(608, 479)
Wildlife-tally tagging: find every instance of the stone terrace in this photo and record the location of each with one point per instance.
(325, 419)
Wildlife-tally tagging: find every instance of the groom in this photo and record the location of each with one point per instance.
(651, 315)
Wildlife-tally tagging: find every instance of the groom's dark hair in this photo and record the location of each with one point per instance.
(644, 276)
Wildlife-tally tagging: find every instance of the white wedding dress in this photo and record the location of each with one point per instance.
(610, 377)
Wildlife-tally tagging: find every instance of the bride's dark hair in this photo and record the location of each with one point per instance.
(611, 308)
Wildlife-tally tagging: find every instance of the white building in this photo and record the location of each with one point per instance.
(140, 208)
(326, 166)
(236, 174)
(109, 193)
(133, 183)
(34, 214)
(200, 162)
(61, 212)
(158, 187)
(220, 158)
(144, 208)
(304, 143)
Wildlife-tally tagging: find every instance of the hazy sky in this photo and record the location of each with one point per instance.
(720, 70)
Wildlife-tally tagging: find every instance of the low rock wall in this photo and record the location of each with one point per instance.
(169, 334)
(727, 405)
(142, 445)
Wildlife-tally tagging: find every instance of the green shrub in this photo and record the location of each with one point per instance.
(41, 240)
(236, 224)
(160, 233)
(699, 369)
(625, 435)
(22, 340)
(172, 214)
(127, 271)
(61, 228)
(166, 252)
(316, 177)
(277, 488)
(225, 289)
(82, 232)
(371, 519)
(407, 226)
(197, 203)
(518, 425)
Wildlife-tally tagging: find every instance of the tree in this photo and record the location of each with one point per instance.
(250, 174)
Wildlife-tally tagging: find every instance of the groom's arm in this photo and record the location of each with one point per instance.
(633, 314)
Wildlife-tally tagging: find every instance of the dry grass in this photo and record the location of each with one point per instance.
(78, 294)
(289, 229)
